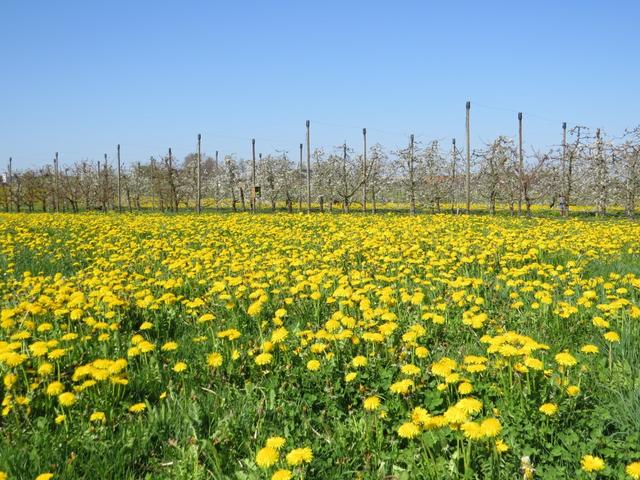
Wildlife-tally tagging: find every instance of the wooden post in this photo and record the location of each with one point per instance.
(374, 167)
(453, 176)
(198, 178)
(119, 187)
(563, 180)
(564, 153)
(258, 187)
(99, 185)
(153, 183)
(55, 184)
(467, 180)
(520, 164)
(345, 205)
(217, 183)
(173, 204)
(105, 193)
(412, 193)
(364, 171)
(10, 185)
(138, 175)
(253, 175)
(300, 181)
(308, 168)
(601, 176)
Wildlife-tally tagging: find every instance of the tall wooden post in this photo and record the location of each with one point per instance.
(153, 183)
(345, 205)
(217, 183)
(198, 178)
(259, 198)
(119, 187)
(412, 187)
(453, 176)
(520, 164)
(300, 181)
(563, 181)
(10, 185)
(106, 185)
(138, 176)
(364, 171)
(308, 168)
(253, 175)
(601, 176)
(99, 185)
(56, 196)
(467, 179)
(174, 203)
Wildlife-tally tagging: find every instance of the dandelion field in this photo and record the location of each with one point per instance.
(238, 346)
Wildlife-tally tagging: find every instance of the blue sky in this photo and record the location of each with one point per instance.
(79, 77)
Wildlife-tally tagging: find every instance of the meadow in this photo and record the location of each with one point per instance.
(290, 346)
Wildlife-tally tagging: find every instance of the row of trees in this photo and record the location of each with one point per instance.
(587, 168)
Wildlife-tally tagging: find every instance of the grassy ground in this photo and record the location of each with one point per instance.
(159, 346)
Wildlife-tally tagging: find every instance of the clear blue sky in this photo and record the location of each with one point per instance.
(79, 77)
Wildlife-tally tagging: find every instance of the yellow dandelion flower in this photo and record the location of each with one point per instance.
(279, 335)
(138, 407)
(214, 360)
(472, 430)
(45, 369)
(490, 427)
(548, 409)
(589, 349)
(470, 405)
(371, 403)
(600, 322)
(590, 463)
(359, 361)
(533, 363)
(179, 367)
(298, 456)
(45, 476)
(98, 417)
(465, 388)
(573, 390)
(633, 470)
(313, 365)
(350, 376)
(455, 415)
(266, 457)
(66, 399)
(57, 353)
(420, 416)
(401, 387)
(207, 317)
(275, 442)
(565, 359)
(263, 359)
(169, 347)
(612, 337)
(422, 352)
(408, 430)
(410, 369)
(282, 474)
(501, 447)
